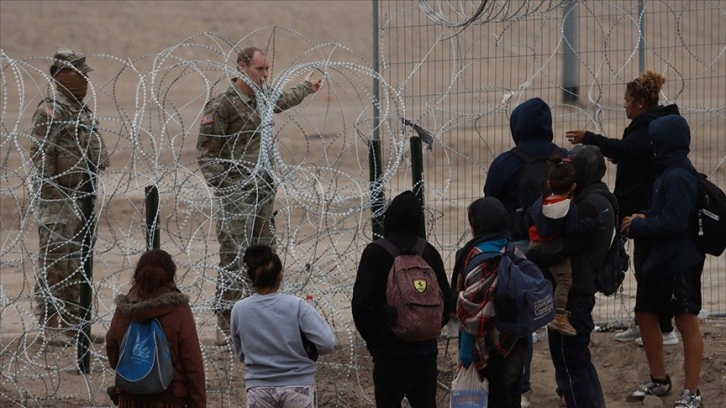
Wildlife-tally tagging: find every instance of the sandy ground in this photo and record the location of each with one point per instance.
(326, 172)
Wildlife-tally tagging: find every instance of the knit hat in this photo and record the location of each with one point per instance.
(487, 215)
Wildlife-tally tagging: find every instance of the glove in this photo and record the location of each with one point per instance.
(466, 349)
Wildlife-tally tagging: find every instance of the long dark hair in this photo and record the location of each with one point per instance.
(154, 270)
(263, 265)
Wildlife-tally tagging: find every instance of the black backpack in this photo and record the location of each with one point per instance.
(532, 184)
(610, 275)
(710, 231)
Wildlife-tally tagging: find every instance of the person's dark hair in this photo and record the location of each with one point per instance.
(245, 56)
(647, 87)
(263, 265)
(561, 175)
(154, 270)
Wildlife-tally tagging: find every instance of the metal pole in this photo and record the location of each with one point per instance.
(417, 176)
(374, 145)
(152, 217)
(571, 68)
(84, 334)
(641, 35)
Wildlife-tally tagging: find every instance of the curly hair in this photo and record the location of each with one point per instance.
(647, 87)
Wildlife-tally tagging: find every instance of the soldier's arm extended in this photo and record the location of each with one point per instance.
(293, 96)
(212, 130)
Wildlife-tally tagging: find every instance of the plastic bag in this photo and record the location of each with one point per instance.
(468, 391)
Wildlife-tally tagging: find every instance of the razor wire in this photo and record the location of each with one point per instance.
(149, 112)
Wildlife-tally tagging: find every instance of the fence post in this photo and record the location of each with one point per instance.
(84, 334)
(374, 145)
(152, 217)
(571, 71)
(417, 176)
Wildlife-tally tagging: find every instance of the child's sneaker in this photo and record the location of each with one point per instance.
(562, 324)
(650, 387)
(689, 400)
(628, 335)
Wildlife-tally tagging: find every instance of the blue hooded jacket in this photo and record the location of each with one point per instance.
(531, 126)
(670, 221)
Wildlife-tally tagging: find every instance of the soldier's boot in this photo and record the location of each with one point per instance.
(223, 329)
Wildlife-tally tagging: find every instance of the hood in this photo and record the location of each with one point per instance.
(141, 310)
(404, 215)
(531, 120)
(671, 138)
(487, 215)
(589, 165)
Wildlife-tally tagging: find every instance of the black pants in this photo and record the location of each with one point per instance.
(505, 376)
(414, 378)
(575, 374)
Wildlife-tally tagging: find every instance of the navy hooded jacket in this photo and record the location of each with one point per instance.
(401, 224)
(531, 126)
(670, 221)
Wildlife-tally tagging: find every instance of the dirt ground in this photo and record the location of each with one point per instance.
(34, 375)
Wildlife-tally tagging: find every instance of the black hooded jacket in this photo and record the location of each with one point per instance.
(633, 155)
(587, 254)
(401, 225)
(666, 232)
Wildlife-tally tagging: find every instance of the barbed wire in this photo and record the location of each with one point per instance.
(149, 110)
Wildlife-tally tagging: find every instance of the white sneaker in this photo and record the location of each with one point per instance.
(669, 339)
(632, 334)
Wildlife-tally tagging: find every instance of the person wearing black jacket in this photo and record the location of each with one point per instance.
(672, 266)
(633, 155)
(576, 377)
(400, 368)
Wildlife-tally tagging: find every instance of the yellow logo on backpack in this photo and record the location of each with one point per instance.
(419, 285)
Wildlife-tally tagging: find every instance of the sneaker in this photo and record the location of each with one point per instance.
(688, 400)
(669, 339)
(650, 387)
(628, 335)
(525, 401)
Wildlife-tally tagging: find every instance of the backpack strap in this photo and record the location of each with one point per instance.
(394, 251)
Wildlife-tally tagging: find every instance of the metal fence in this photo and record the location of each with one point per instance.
(462, 67)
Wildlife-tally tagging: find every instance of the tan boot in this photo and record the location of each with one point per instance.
(223, 330)
(562, 325)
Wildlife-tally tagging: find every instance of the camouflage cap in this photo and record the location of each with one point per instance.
(66, 58)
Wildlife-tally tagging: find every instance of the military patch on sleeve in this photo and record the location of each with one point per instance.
(207, 120)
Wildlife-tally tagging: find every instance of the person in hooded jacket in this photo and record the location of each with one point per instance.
(636, 169)
(154, 294)
(531, 127)
(672, 264)
(400, 368)
(577, 379)
(496, 356)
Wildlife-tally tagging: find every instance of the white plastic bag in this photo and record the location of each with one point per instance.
(468, 391)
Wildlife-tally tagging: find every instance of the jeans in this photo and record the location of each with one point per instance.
(523, 245)
(576, 377)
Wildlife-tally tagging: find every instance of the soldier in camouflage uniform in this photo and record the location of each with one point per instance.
(228, 151)
(66, 146)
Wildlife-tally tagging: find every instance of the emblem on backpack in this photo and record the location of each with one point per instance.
(419, 285)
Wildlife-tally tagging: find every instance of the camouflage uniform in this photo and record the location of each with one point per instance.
(66, 145)
(228, 150)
